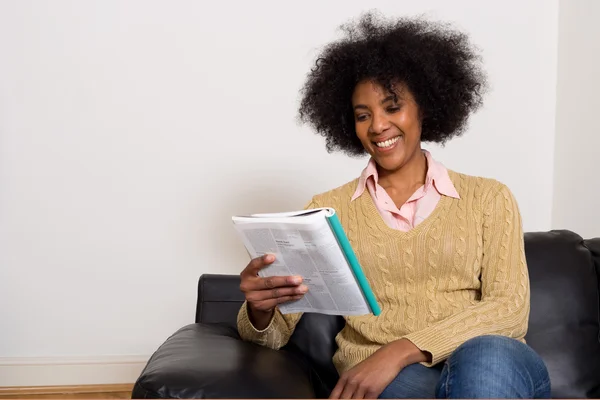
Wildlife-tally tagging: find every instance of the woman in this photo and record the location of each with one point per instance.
(443, 251)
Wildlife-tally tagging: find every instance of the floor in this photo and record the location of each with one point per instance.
(99, 395)
(117, 391)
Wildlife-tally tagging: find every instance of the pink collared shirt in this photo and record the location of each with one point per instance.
(419, 206)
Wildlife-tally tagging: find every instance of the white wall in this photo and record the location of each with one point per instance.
(130, 132)
(576, 183)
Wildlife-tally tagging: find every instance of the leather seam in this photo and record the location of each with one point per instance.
(596, 269)
(201, 295)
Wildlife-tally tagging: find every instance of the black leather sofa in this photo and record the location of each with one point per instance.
(208, 360)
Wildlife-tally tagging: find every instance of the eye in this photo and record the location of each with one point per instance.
(362, 117)
(393, 109)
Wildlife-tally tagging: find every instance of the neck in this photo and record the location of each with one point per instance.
(411, 174)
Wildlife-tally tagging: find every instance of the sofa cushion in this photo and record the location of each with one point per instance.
(210, 361)
(563, 325)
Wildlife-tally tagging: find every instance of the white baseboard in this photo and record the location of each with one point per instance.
(53, 371)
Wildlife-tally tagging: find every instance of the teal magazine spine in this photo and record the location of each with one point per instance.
(339, 233)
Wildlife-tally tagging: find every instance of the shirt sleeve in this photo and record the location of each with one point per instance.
(504, 306)
(280, 328)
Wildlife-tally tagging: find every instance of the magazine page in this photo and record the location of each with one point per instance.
(307, 247)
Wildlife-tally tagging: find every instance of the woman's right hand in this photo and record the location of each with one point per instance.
(263, 294)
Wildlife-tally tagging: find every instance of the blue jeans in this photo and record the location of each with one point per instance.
(483, 367)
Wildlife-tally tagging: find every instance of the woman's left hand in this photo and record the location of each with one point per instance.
(368, 379)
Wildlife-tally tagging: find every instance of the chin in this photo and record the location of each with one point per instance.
(390, 163)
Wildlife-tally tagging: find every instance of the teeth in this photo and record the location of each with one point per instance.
(387, 143)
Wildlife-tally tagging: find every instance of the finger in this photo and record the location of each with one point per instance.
(277, 282)
(271, 303)
(248, 284)
(359, 393)
(372, 395)
(258, 263)
(337, 390)
(260, 295)
(255, 284)
(349, 389)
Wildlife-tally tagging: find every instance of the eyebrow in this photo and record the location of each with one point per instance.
(362, 106)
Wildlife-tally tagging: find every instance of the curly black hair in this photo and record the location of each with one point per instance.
(439, 66)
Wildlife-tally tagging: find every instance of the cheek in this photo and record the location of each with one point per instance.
(411, 126)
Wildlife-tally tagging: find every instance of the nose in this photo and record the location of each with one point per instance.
(379, 123)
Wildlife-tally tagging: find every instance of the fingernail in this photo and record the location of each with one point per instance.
(296, 279)
(268, 257)
(303, 289)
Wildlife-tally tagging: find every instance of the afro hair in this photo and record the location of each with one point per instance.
(437, 64)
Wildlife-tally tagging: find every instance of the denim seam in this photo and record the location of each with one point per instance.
(541, 385)
(528, 378)
(447, 378)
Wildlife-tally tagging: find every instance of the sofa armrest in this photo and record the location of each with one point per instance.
(219, 299)
(211, 361)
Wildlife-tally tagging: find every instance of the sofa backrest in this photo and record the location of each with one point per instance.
(593, 245)
(564, 322)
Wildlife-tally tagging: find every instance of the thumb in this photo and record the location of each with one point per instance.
(261, 262)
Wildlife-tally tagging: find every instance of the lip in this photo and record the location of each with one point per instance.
(387, 149)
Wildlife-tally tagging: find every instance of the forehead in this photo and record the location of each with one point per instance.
(370, 91)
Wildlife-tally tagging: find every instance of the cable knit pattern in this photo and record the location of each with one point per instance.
(459, 274)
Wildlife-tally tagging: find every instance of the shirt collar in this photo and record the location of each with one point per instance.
(437, 177)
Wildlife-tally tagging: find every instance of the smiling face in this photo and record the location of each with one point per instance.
(389, 131)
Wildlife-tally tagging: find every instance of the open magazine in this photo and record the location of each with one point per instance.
(312, 244)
